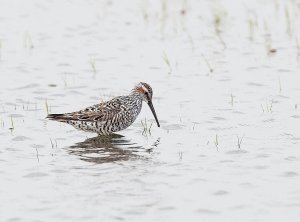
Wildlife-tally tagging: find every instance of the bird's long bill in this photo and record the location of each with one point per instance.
(153, 112)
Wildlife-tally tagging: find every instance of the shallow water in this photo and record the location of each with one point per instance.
(226, 91)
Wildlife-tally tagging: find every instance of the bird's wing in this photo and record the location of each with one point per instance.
(99, 112)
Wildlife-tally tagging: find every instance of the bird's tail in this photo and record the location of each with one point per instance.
(58, 117)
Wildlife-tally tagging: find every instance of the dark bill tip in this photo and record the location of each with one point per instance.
(153, 112)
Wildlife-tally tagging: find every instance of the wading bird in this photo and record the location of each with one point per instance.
(111, 116)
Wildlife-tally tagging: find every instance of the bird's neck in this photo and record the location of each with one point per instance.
(136, 99)
(136, 95)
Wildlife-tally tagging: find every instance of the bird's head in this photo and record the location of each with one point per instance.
(146, 92)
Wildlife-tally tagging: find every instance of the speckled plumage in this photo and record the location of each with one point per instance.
(110, 116)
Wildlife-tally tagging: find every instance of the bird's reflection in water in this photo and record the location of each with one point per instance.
(102, 149)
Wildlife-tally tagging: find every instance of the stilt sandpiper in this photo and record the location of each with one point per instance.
(110, 116)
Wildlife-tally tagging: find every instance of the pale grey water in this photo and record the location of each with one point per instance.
(192, 167)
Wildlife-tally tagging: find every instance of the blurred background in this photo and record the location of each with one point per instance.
(226, 84)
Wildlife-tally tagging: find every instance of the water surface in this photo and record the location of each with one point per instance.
(226, 91)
